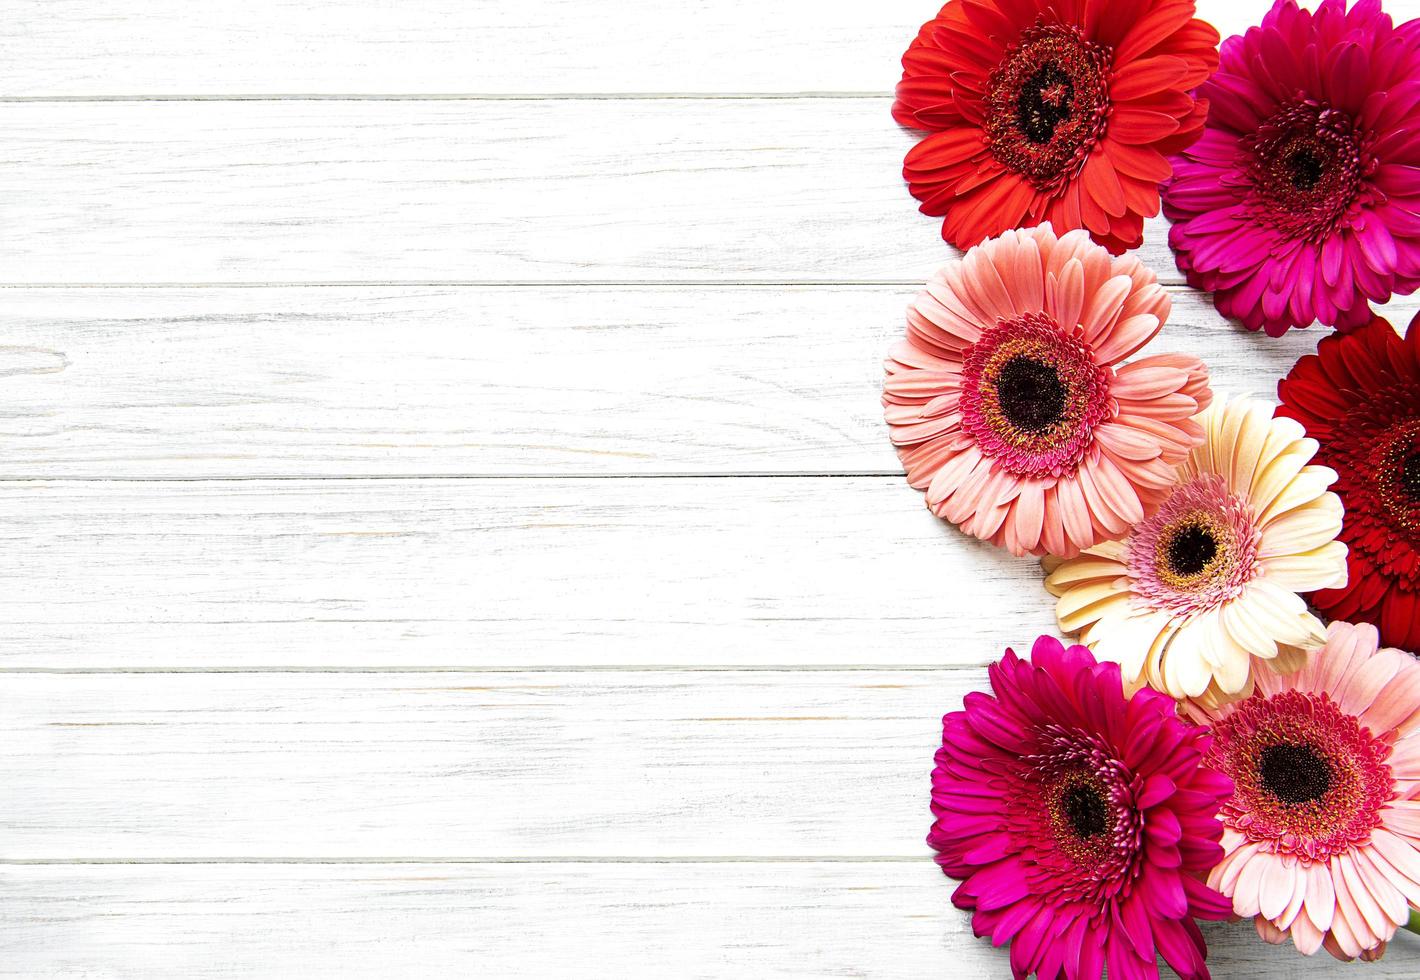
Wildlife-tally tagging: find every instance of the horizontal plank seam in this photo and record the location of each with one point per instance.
(599, 859)
(886, 667)
(881, 95)
(281, 478)
(1174, 285)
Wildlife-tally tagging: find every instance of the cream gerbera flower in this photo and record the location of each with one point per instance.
(1207, 585)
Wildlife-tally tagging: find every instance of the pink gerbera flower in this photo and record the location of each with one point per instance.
(1302, 199)
(1078, 820)
(1323, 831)
(1010, 406)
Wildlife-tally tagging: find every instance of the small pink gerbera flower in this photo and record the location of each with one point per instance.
(1079, 820)
(1301, 201)
(1323, 830)
(1009, 404)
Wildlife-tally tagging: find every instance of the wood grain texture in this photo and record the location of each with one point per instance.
(476, 381)
(80, 48)
(623, 190)
(527, 572)
(543, 764)
(691, 921)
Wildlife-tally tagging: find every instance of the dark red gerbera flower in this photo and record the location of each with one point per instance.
(1359, 396)
(1051, 110)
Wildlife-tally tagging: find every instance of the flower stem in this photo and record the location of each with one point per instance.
(1414, 924)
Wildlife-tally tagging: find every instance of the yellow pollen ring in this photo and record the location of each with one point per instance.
(1223, 555)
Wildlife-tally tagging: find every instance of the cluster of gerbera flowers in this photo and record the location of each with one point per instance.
(1211, 748)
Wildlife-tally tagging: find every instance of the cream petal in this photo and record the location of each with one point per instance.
(1080, 597)
(1282, 614)
(1288, 661)
(1086, 568)
(1322, 568)
(1246, 631)
(1186, 674)
(1245, 432)
(1127, 642)
(1306, 487)
(1302, 529)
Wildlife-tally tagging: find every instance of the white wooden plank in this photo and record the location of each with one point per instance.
(689, 921)
(525, 572)
(169, 48)
(144, 383)
(702, 190)
(544, 764)
(76, 48)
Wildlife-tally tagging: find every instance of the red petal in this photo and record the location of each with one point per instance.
(1103, 184)
(1139, 126)
(1147, 77)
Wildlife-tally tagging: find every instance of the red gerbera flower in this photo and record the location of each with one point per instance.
(1051, 110)
(1359, 396)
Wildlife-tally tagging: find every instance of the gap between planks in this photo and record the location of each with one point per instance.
(454, 97)
(571, 859)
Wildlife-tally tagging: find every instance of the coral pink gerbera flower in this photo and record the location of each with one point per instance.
(1010, 406)
(1078, 820)
(1359, 397)
(1051, 110)
(1302, 199)
(1323, 830)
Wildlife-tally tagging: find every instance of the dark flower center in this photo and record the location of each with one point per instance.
(1309, 165)
(1191, 550)
(1390, 462)
(1294, 773)
(1047, 104)
(1410, 476)
(1085, 811)
(1044, 102)
(1306, 169)
(1030, 394)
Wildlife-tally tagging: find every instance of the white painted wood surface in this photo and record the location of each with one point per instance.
(487, 48)
(484, 190)
(449, 525)
(498, 573)
(535, 920)
(479, 381)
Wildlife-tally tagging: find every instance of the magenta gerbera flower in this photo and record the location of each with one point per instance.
(1078, 820)
(1301, 201)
